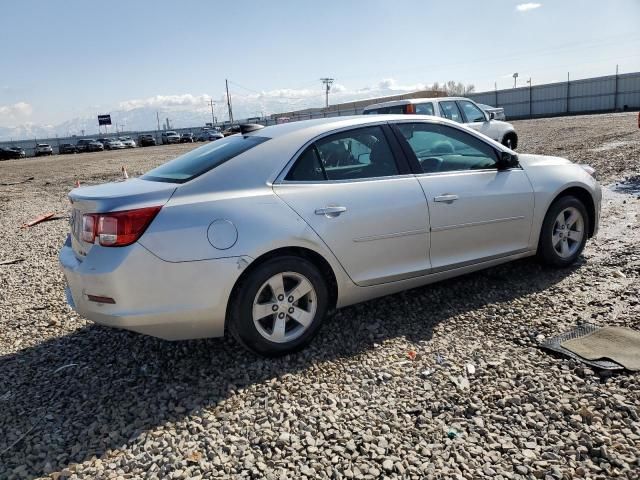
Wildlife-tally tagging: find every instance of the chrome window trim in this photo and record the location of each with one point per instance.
(353, 180)
(467, 172)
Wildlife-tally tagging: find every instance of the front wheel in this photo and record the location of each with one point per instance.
(279, 307)
(564, 232)
(510, 140)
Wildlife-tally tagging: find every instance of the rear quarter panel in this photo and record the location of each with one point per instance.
(263, 222)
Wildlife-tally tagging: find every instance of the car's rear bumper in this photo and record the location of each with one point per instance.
(170, 300)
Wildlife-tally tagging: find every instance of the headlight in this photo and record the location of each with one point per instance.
(589, 169)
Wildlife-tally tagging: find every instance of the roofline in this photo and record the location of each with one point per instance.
(320, 126)
(412, 101)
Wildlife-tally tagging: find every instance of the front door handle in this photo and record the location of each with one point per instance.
(331, 212)
(448, 198)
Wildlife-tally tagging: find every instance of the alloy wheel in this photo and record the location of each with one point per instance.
(568, 232)
(284, 307)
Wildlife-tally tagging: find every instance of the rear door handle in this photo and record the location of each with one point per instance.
(448, 198)
(331, 212)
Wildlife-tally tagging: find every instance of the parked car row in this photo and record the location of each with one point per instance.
(9, 153)
(103, 143)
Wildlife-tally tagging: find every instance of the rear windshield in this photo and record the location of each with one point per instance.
(200, 160)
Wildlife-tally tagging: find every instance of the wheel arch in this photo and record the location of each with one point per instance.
(312, 256)
(585, 197)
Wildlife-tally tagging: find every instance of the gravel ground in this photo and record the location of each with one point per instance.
(83, 401)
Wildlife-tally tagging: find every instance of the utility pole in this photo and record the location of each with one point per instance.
(615, 94)
(229, 101)
(327, 84)
(530, 112)
(515, 79)
(157, 131)
(213, 118)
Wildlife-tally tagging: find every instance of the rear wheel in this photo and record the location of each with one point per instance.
(564, 232)
(279, 307)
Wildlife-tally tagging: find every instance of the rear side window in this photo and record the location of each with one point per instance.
(424, 109)
(307, 168)
(450, 110)
(350, 155)
(200, 160)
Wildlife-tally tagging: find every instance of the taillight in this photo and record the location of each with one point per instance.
(411, 108)
(117, 229)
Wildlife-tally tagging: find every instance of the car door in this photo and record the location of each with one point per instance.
(356, 192)
(477, 119)
(478, 212)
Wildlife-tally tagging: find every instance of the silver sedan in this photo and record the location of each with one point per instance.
(268, 231)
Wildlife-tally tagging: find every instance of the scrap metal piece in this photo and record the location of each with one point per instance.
(39, 219)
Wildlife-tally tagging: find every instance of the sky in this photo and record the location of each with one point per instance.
(63, 60)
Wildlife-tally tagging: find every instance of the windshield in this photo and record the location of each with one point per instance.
(200, 160)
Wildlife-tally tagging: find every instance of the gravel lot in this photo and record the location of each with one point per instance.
(91, 402)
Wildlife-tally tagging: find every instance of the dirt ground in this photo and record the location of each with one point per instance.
(82, 401)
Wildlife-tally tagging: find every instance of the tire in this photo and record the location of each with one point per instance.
(260, 334)
(510, 140)
(560, 246)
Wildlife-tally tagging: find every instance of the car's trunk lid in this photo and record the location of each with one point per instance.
(111, 197)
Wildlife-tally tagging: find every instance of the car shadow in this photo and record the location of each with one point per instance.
(97, 389)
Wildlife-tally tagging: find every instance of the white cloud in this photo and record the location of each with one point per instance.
(18, 112)
(391, 84)
(166, 101)
(525, 7)
(247, 102)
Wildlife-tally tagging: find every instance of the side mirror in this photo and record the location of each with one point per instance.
(492, 115)
(507, 161)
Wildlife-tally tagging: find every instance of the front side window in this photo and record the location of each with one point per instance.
(424, 109)
(450, 110)
(473, 113)
(350, 155)
(201, 160)
(440, 148)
